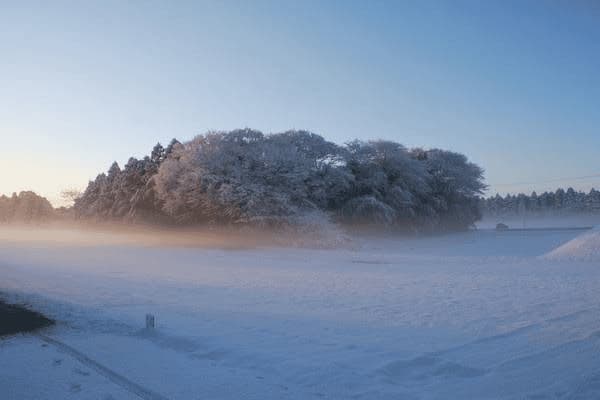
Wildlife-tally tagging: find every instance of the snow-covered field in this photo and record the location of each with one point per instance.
(479, 315)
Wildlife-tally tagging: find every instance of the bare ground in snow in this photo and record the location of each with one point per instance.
(18, 319)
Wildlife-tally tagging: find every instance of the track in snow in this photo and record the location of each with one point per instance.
(111, 375)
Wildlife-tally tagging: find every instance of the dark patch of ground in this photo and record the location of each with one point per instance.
(18, 319)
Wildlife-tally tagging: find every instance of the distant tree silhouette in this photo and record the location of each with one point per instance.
(25, 207)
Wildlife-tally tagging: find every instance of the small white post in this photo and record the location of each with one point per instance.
(149, 321)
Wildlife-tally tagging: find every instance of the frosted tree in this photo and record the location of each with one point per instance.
(244, 176)
(124, 194)
(456, 184)
(387, 186)
(25, 207)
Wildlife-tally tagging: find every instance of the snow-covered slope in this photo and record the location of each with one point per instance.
(585, 247)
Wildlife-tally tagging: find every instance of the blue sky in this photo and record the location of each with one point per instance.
(513, 85)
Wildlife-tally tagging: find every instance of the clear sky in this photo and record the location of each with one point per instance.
(515, 85)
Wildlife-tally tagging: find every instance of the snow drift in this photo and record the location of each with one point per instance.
(585, 247)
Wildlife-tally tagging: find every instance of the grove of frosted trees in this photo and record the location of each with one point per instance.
(25, 207)
(247, 177)
(559, 202)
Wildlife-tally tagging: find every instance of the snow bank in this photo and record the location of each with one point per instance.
(585, 247)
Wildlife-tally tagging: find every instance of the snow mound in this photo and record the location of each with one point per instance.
(585, 247)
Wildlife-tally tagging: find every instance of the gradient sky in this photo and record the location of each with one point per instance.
(513, 85)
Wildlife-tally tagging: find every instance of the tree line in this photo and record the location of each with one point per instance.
(560, 201)
(250, 178)
(25, 207)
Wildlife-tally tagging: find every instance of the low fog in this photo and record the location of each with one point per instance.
(115, 234)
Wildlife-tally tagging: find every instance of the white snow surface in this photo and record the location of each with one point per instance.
(478, 315)
(585, 247)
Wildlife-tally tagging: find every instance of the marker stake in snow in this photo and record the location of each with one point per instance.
(149, 321)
